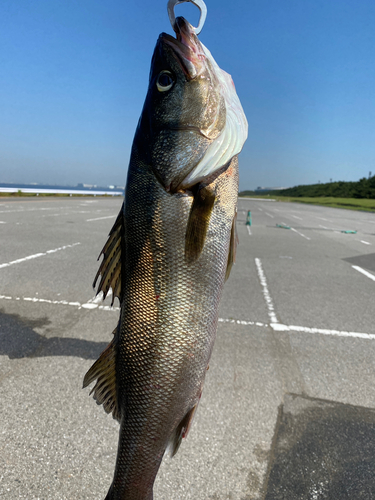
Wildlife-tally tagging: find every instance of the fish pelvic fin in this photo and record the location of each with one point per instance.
(232, 247)
(110, 268)
(198, 222)
(181, 431)
(104, 372)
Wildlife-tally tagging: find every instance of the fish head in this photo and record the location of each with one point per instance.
(184, 111)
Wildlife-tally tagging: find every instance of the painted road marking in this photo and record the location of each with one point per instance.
(242, 322)
(29, 209)
(366, 273)
(260, 209)
(278, 327)
(35, 256)
(269, 215)
(2, 222)
(101, 218)
(330, 229)
(295, 230)
(249, 230)
(303, 236)
(78, 305)
(291, 328)
(266, 293)
(365, 242)
(299, 218)
(95, 301)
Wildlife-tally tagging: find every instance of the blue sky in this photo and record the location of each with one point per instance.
(74, 74)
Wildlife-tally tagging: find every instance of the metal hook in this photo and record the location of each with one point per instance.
(198, 3)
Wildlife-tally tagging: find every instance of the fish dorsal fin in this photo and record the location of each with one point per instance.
(104, 372)
(181, 431)
(232, 247)
(110, 268)
(197, 225)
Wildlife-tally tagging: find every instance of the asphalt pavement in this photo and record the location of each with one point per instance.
(287, 411)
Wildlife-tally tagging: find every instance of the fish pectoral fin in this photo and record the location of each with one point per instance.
(104, 372)
(232, 247)
(197, 225)
(181, 431)
(110, 268)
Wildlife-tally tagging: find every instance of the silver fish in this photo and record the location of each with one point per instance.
(168, 255)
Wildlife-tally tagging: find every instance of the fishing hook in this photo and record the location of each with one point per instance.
(198, 3)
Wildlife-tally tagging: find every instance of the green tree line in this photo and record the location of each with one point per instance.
(364, 188)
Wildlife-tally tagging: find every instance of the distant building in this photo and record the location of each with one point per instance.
(261, 189)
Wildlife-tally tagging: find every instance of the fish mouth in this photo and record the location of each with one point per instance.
(187, 48)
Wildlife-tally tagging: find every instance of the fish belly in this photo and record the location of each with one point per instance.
(168, 321)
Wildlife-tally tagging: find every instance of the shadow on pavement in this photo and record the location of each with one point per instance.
(322, 450)
(367, 261)
(19, 340)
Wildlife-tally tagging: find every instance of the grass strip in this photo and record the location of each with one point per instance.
(363, 204)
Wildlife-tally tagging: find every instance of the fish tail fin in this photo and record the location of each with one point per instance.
(104, 372)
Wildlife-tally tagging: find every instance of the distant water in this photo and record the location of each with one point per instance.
(49, 188)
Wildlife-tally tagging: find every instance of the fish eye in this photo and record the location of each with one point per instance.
(165, 81)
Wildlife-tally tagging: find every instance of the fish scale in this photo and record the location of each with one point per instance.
(177, 246)
(162, 375)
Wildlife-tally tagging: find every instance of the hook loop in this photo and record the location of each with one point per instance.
(198, 3)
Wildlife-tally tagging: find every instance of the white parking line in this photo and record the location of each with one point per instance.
(35, 256)
(21, 209)
(249, 230)
(277, 327)
(101, 218)
(269, 215)
(299, 218)
(291, 328)
(366, 273)
(303, 236)
(87, 305)
(95, 301)
(266, 293)
(242, 322)
(295, 230)
(365, 242)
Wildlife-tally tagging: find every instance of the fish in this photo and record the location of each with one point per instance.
(167, 257)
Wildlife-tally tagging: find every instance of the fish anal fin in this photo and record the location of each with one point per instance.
(232, 247)
(110, 268)
(182, 430)
(198, 222)
(104, 372)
